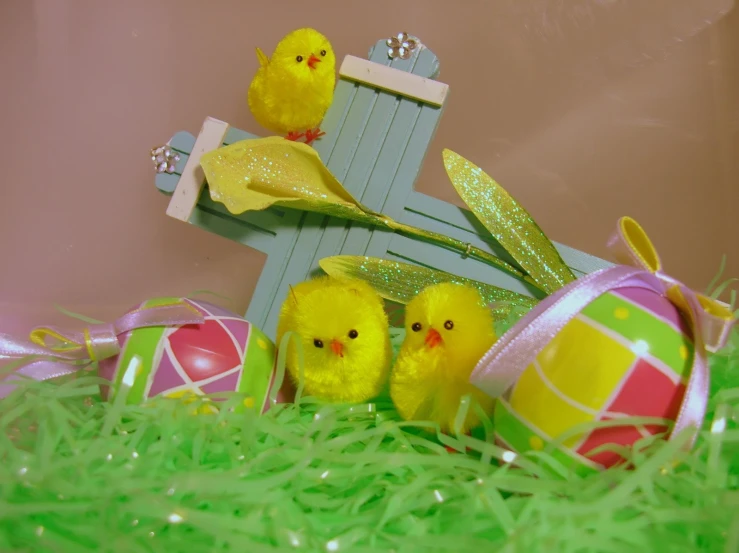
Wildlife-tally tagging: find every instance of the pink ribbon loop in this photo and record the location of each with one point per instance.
(53, 352)
(710, 321)
(104, 341)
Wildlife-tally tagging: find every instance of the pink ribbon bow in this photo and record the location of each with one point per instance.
(709, 320)
(53, 352)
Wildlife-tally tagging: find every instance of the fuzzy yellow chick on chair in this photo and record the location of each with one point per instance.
(293, 89)
(448, 329)
(344, 333)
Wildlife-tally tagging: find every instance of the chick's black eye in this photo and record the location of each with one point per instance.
(353, 334)
(416, 327)
(449, 325)
(323, 52)
(299, 59)
(318, 343)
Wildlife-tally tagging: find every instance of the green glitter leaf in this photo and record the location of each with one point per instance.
(509, 223)
(400, 282)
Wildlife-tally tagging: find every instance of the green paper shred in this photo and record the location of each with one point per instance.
(77, 316)
(81, 474)
(203, 292)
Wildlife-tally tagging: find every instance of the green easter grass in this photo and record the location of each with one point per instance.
(78, 474)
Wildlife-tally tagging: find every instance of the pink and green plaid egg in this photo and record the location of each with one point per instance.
(628, 353)
(224, 354)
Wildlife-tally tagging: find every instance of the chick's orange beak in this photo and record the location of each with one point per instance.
(433, 338)
(337, 348)
(312, 61)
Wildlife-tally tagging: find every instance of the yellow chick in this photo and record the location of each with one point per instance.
(292, 91)
(344, 332)
(448, 329)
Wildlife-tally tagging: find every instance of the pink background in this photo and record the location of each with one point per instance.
(584, 110)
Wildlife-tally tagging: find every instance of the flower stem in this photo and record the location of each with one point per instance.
(465, 249)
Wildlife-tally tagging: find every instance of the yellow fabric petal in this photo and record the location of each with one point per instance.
(254, 174)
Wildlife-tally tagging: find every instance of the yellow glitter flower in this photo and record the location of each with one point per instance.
(254, 174)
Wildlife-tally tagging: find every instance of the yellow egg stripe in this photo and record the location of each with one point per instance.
(520, 436)
(572, 402)
(567, 387)
(546, 408)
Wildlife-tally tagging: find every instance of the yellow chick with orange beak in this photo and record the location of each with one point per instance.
(293, 89)
(448, 330)
(344, 335)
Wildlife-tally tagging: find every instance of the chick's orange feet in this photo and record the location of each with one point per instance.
(294, 136)
(312, 134)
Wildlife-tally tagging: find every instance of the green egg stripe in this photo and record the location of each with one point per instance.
(144, 342)
(664, 340)
(255, 378)
(516, 434)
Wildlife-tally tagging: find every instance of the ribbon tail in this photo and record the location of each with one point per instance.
(716, 322)
(40, 369)
(24, 359)
(12, 348)
(695, 402)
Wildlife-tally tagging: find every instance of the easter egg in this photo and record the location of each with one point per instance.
(225, 353)
(628, 353)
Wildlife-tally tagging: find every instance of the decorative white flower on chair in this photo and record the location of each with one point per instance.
(165, 159)
(401, 46)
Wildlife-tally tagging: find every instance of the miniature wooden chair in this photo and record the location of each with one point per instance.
(378, 130)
